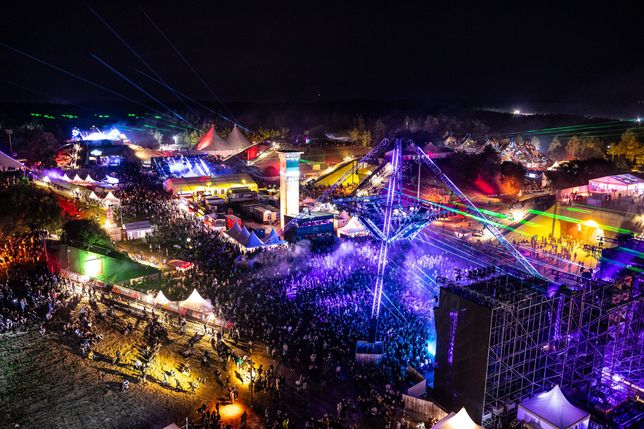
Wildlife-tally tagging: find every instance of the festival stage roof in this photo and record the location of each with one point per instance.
(7, 163)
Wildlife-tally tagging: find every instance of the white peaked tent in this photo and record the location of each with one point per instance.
(460, 420)
(161, 299)
(7, 163)
(196, 302)
(66, 178)
(46, 179)
(551, 410)
(93, 196)
(111, 200)
(77, 178)
(236, 141)
(353, 228)
(89, 179)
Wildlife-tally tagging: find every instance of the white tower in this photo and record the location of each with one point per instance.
(289, 184)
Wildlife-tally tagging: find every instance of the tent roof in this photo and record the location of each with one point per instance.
(354, 226)
(234, 231)
(460, 420)
(8, 162)
(161, 299)
(110, 197)
(196, 301)
(271, 234)
(66, 178)
(253, 241)
(243, 236)
(237, 141)
(618, 179)
(77, 178)
(553, 407)
(273, 239)
(89, 179)
(93, 196)
(211, 142)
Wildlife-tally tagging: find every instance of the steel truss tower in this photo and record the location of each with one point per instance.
(399, 216)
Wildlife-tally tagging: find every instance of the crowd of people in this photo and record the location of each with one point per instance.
(30, 294)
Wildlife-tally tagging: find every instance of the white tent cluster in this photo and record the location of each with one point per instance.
(460, 420)
(551, 410)
(213, 144)
(194, 302)
(249, 241)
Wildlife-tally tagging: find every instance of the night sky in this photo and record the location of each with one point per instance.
(477, 54)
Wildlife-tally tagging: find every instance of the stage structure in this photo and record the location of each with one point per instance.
(389, 214)
(503, 340)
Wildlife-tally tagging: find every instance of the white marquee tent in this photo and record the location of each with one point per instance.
(237, 141)
(161, 299)
(353, 228)
(7, 163)
(551, 410)
(111, 200)
(197, 302)
(460, 420)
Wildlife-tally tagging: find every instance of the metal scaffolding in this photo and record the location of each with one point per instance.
(582, 339)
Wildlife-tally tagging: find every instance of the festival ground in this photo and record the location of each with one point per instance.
(52, 385)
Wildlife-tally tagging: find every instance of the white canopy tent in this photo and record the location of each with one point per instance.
(7, 163)
(197, 302)
(237, 141)
(161, 299)
(94, 197)
(66, 178)
(353, 228)
(111, 200)
(460, 420)
(551, 410)
(89, 179)
(77, 178)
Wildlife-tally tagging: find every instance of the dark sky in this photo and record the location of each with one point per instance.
(475, 54)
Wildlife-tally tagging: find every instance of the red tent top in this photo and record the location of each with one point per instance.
(206, 140)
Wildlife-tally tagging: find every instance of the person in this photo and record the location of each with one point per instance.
(244, 418)
(125, 386)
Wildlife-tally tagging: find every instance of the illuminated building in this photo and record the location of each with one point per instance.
(289, 184)
(217, 185)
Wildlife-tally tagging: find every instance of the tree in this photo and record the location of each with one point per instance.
(87, 231)
(556, 149)
(630, 145)
(365, 138)
(512, 177)
(37, 146)
(25, 209)
(379, 130)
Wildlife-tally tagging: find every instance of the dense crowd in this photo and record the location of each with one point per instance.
(30, 294)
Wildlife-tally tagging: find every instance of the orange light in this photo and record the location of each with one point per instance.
(230, 411)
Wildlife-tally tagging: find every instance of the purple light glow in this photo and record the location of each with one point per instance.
(453, 316)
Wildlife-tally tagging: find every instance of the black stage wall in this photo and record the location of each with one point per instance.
(462, 344)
